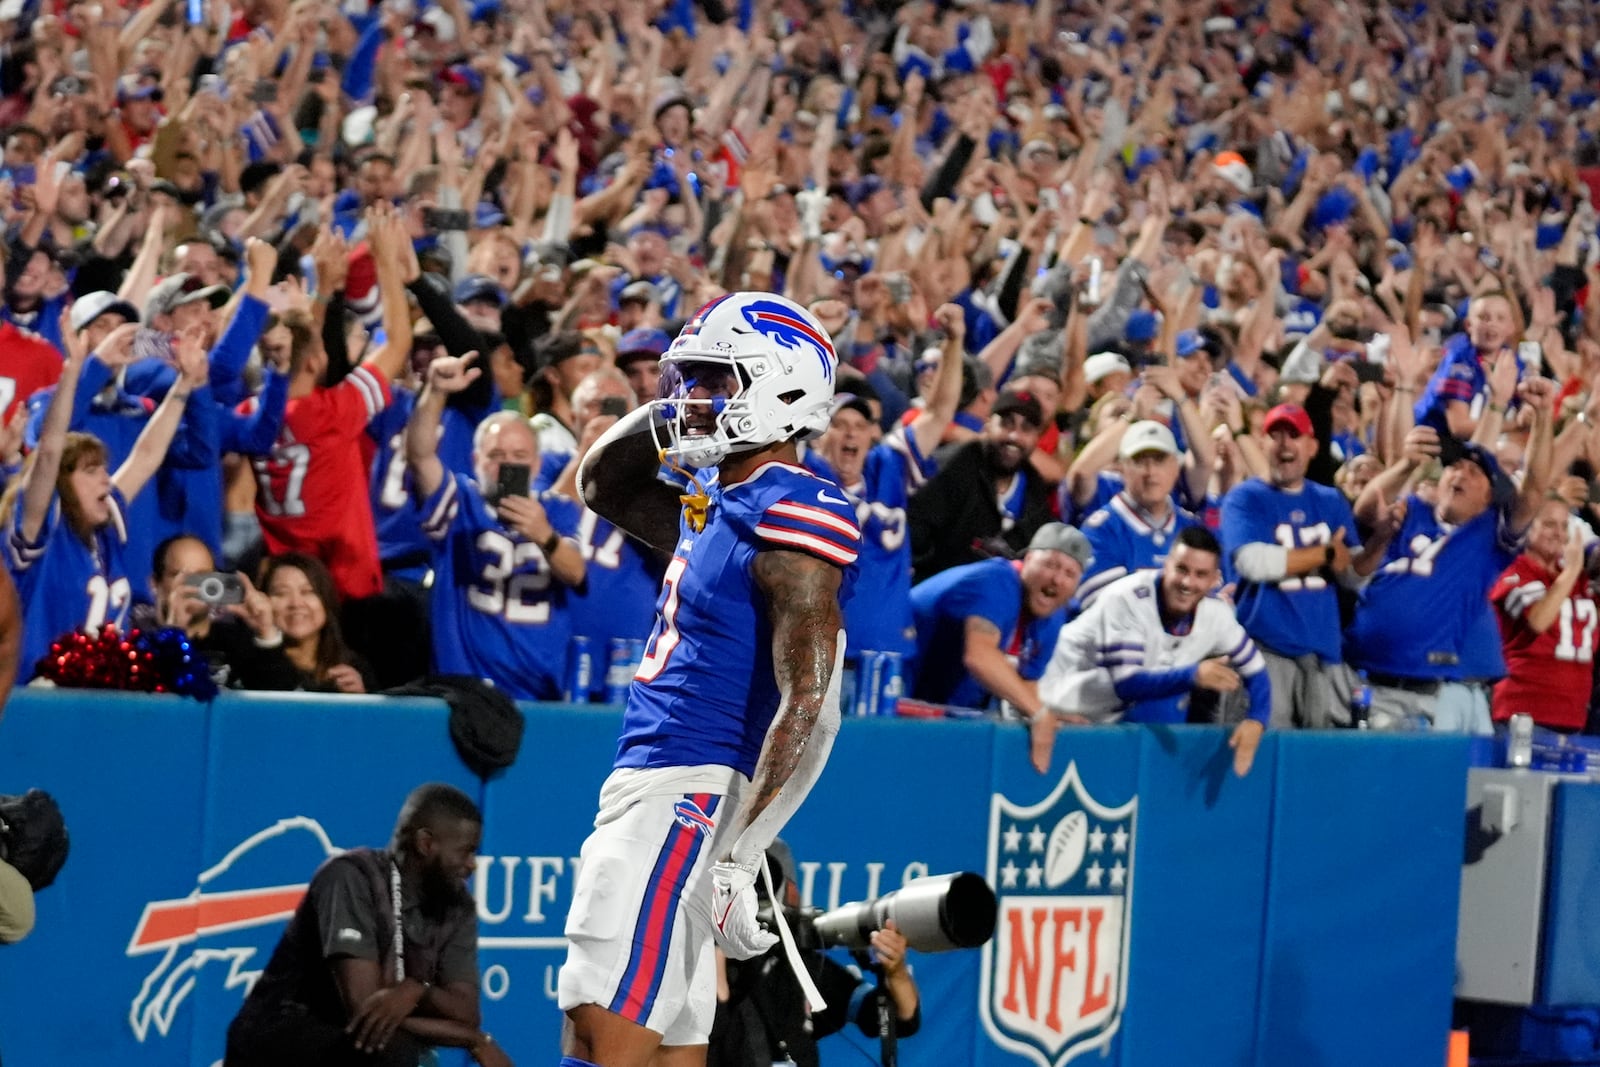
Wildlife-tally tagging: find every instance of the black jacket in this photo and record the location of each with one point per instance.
(955, 518)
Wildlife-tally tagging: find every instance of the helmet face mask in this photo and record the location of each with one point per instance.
(749, 370)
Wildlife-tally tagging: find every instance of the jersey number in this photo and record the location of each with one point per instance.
(1293, 537)
(392, 496)
(107, 600)
(1420, 563)
(500, 590)
(1576, 614)
(297, 458)
(607, 553)
(665, 637)
(8, 393)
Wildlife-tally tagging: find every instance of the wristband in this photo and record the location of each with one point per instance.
(1327, 556)
(1498, 409)
(549, 545)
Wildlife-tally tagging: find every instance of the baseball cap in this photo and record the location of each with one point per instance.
(1142, 326)
(486, 215)
(1019, 402)
(1292, 415)
(91, 306)
(642, 291)
(641, 344)
(464, 76)
(1231, 168)
(1501, 490)
(1147, 436)
(1041, 355)
(178, 290)
(479, 287)
(1103, 364)
(1059, 537)
(1188, 343)
(857, 404)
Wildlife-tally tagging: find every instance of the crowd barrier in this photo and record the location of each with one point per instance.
(1154, 909)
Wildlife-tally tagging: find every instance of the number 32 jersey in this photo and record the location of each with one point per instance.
(706, 692)
(497, 610)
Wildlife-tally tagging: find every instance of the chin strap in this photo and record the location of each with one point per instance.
(791, 950)
(696, 503)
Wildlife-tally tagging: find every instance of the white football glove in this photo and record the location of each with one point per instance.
(733, 913)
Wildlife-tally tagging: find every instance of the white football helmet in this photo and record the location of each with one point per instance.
(765, 368)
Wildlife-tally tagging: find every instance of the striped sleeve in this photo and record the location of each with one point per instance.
(822, 529)
(916, 468)
(362, 395)
(1523, 597)
(439, 510)
(20, 552)
(1233, 643)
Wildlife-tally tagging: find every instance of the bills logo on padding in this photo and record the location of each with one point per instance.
(1055, 974)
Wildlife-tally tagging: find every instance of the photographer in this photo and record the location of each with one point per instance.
(761, 1012)
(226, 617)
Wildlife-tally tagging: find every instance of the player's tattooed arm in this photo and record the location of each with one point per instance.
(802, 594)
(617, 480)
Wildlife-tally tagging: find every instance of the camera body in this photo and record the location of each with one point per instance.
(216, 588)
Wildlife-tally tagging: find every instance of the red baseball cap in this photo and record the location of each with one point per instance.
(1288, 414)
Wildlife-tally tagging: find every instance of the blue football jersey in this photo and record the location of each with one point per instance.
(618, 596)
(989, 589)
(706, 693)
(1460, 376)
(65, 584)
(402, 546)
(1295, 616)
(497, 611)
(1124, 540)
(1416, 616)
(878, 616)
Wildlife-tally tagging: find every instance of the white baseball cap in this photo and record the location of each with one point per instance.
(1102, 364)
(1147, 436)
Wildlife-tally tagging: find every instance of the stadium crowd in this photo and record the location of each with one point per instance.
(337, 296)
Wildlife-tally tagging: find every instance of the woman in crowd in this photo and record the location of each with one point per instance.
(64, 517)
(305, 609)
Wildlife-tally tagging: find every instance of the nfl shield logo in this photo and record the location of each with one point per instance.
(1055, 974)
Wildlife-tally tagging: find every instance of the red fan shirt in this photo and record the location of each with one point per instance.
(312, 490)
(1548, 675)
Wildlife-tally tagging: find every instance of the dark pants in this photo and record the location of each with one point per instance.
(276, 1039)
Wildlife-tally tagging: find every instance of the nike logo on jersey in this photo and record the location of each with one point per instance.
(822, 495)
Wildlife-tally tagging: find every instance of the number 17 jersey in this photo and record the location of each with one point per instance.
(706, 692)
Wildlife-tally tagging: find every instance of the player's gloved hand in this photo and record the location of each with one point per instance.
(733, 912)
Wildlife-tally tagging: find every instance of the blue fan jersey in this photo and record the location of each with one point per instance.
(1418, 616)
(878, 616)
(989, 589)
(402, 546)
(66, 584)
(617, 598)
(1461, 376)
(706, 693)
(1124, 540)
(496, 609)
(1295, 616)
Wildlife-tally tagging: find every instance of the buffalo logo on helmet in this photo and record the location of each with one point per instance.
(1055, 975)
